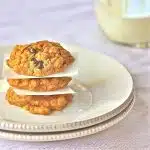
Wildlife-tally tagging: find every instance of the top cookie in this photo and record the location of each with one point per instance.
(41, 58)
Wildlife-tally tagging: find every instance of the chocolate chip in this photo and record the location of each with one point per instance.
(37, 63)
(34, 59)
(32, 50)
(40, 64)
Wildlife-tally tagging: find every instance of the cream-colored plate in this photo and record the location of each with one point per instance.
(110, 83)
(39, 137)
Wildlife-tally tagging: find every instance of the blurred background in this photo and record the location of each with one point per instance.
(68, 21)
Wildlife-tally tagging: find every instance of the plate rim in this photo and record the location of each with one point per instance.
(34, 128)
(45, 127)
(58, 136)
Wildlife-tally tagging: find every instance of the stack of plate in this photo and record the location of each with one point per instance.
(111, 86)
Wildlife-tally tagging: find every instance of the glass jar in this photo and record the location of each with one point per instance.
(129, 30)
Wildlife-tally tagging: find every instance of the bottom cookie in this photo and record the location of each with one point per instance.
(42, 105)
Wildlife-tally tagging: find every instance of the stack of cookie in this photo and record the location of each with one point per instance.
(39, 61)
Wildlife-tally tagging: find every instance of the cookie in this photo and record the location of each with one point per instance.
(42, 105)
(40, 84)
(41, 58)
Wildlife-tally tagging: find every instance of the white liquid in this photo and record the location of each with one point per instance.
(119, 29)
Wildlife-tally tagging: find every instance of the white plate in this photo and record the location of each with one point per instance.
(41, 137)
(111, 85)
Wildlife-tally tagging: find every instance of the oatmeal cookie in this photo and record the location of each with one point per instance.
(39, 59)
(40, 84)
(39, 104)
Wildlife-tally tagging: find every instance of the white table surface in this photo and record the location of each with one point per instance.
(73, 21)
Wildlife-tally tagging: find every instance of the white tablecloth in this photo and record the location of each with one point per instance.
(73, 21)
